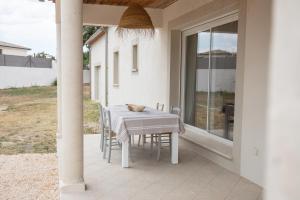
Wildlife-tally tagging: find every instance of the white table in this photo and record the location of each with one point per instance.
(125, 123)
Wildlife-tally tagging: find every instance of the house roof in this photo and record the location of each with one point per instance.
(97, 35)
(16, 46)
(145, 3)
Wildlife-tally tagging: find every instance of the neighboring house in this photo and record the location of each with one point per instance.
(13, 49)
(18, 69)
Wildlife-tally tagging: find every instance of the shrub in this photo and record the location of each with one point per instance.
(54, 83)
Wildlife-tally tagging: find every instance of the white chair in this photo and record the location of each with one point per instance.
(159, 107)
(166, 138)
(109, 137)
(101, 128)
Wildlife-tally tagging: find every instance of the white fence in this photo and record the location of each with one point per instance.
(27, 77)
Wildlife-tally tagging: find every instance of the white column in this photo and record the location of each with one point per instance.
(283, 134)
(72, 96)
(58, 88)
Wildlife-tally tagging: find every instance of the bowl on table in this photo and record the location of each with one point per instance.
(135, 108)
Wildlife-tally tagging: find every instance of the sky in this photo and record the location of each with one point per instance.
(220, 41)
(29, 23)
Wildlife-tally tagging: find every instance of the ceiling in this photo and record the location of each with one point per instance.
(145, 3)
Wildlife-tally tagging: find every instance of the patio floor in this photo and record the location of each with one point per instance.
(194, 178)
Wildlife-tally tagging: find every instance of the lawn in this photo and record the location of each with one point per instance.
(28, 119)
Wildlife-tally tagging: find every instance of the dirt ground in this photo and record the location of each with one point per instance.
(28, 119)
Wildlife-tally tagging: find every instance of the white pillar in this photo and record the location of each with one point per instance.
(283, 134)
(72, 96)
(58, 89)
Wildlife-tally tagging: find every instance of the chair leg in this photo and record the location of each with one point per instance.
(151, 143)
(139, 140)
(109, 150)
(170, 145)
(158, 147)
(143, 140)
(132, 139)
(102, 142)
(104, 146)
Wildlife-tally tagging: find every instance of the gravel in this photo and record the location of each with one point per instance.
(28, 177)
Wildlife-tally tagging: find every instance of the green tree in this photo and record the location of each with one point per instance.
(43, 55)
(88, 31)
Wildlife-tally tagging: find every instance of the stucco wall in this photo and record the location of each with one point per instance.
(26, 77)
(86, 76)
(98, 60)
(13, 51)
(255, 90)
(147, 86)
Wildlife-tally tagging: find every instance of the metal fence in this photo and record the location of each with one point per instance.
(25, 61)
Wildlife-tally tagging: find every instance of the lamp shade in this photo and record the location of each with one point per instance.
(136, 19)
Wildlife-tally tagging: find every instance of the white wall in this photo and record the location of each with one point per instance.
(13, 51)
(255, 90)
(26, 77)
(98, 60)
(86, 76)
(147, 86)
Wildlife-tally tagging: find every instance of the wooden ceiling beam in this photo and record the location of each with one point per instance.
(145, 3)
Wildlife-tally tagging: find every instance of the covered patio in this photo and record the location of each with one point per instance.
(195, 178)
(266, 105)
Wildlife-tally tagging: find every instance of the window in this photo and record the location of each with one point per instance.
(116, 69)
(135, 58)
(0, 51)
(210, 79)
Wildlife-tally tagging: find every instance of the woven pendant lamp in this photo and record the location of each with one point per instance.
(135, 19)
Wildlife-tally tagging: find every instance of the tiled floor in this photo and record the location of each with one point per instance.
(194, 178)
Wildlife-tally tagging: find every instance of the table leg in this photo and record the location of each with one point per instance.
(174, 155)
(125, 154)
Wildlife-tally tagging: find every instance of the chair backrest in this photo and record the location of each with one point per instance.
(106, 118)
(176, 110)
(160, 106)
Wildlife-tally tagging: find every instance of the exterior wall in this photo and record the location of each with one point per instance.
(98, 60)
(255, 90)
(13, 51)
(26, 77)
(147, 86)
(86, 76)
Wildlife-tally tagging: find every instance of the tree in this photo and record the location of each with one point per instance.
(88, 31)
(43, 55)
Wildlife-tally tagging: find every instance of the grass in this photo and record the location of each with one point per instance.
(28, 119)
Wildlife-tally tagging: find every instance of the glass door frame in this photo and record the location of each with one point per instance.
(185, 33)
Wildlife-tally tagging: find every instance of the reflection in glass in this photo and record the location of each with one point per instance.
(222, 80)
(210, 79)
(196, 88)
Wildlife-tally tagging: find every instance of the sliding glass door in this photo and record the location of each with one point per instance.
(209, 88)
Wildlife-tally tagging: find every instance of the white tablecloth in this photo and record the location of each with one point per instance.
(125, 122)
